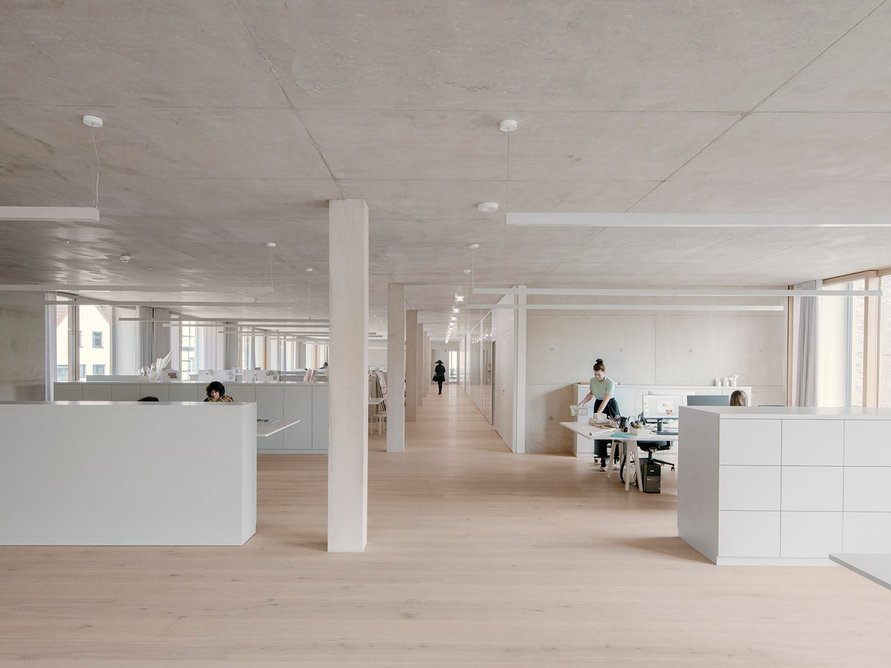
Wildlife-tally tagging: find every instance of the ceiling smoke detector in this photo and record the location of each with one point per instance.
(507, 125)
(125, 259)
(487, 207)
(270, 244)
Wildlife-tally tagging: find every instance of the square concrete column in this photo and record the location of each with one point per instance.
(421, 368)
(411, 366)
(348, 376)
(396, 367)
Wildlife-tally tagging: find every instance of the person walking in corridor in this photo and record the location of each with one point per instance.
(439, 374)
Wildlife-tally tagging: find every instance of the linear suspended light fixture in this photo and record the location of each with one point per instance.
(191, 320)
(630, 307)
(74, 299)
(678, 292)
(87, 287)
(700, 220)
(49, 214)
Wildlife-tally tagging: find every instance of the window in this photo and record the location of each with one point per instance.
(841, 343)
(885, 342)
(83, 370)
(63, 341)
(97, 339)
(98, 369)
(188, 359)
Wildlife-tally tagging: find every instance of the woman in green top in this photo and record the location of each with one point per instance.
(602, 389)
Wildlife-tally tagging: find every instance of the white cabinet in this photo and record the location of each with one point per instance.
(320, 418)
(278, 402)
(788, 484)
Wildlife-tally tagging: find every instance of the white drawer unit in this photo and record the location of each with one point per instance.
(771, 485)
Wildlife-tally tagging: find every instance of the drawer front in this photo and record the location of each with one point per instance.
(750, 442)
(867, 532)
(749, 488)
(811, 535)
(748, 534)
(868, 443)
(868, 489)
(813, 442)
(813, 488)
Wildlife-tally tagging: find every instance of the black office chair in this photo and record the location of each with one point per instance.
(656, 446)
(650, 447)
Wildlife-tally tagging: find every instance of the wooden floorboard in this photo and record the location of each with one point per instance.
(475, 557)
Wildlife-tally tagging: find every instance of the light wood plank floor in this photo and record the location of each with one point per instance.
(476, 557)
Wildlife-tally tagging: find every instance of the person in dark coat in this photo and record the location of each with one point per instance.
(439, 374)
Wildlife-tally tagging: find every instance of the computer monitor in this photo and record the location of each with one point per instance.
(661, 407)
(708, 399)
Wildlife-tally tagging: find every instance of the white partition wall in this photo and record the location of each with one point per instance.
(108, 473)
(307, 402)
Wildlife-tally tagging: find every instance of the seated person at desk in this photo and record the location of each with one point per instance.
(217, 392)
(739, 398)
(602, 389)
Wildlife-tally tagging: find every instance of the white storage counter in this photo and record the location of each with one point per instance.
(103, 473)
(282, 402)
(784, 485)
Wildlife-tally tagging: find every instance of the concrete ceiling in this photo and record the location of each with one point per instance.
(230, 123)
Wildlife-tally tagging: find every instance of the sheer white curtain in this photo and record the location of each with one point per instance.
(806, 348)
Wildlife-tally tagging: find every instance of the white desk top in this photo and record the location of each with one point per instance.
(792, 412)
(611, 433)
(876, 567)
(265, 429)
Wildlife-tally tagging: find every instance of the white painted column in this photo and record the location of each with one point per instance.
(347, 376)
(411, 366)
(230, 339)
(519, 426)
(396, 367)
(428, 367)
(420, 368)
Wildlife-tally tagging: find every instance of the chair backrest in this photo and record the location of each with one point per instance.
(654, 445)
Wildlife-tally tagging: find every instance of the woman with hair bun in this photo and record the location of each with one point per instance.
(603, 390)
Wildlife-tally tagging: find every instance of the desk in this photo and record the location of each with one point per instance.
(875, 567)
(619, 438)
(266, 428)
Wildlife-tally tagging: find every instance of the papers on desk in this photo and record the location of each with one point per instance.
(606, 423)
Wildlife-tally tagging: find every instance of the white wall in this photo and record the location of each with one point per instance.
(22, 352)
(505, 368)
(644, 349)
(377, 358)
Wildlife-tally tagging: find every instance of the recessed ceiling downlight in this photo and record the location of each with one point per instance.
(92, 121)
(487, 207)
